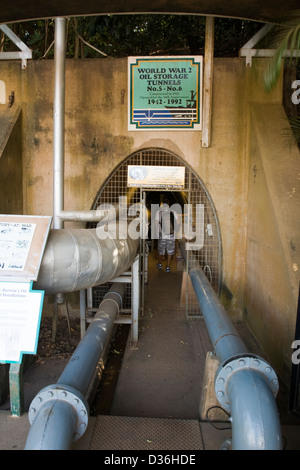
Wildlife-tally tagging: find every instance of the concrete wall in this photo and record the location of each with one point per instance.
(11, 193)
(97, 140)
(273, 233)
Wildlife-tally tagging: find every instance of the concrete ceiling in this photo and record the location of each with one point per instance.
(268, 11)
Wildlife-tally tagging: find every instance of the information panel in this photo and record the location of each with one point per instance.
(148, 176)
(165, 93)
(22, 242)
(20, 317)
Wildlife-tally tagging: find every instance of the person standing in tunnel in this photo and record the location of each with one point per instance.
(166, 223)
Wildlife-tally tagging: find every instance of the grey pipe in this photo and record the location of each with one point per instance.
(97, 215)
(245, 384)
(82, 216)
(78, 259)
(59, 413)
(79, 371)
(224, 336)
(54, 426)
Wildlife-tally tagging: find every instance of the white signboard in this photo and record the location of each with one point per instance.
(148, 176)
(15, 242)
(20, 316)
(22, 244)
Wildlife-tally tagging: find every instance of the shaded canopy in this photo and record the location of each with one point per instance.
(268, 11)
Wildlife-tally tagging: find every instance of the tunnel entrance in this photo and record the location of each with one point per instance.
(194, 194)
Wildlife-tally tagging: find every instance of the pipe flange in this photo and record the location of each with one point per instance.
(62, 393)
(244, 362)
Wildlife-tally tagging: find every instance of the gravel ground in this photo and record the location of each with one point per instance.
(66, 339)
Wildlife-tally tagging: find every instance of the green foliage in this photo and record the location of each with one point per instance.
(295, 126)
(125, 35)
(231, 34)
(38, 35)
(287, 38)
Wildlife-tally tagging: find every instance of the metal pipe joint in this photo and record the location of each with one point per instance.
(246, 386)
(250, 362)
(54, 401)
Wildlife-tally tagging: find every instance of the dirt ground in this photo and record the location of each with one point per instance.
(46, 366)
(66, 339)
(52, 357)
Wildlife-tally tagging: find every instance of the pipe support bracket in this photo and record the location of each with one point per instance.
(252, 362)
(64, 394)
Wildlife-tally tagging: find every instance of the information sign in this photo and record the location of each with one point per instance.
(165, 93)
(148, 176)
(20, 316)
(22, 243)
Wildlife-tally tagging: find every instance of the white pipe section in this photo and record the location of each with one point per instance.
(83, 216)
(208, 80)
(59, 120)
(78, 259)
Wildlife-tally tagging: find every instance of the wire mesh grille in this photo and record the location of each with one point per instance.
(99, 292)
(209, 256)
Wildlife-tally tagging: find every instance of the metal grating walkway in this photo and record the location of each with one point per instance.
(127, 433)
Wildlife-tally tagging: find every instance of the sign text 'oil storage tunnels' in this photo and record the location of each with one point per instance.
(165, 93)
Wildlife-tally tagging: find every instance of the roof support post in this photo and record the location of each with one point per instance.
(208, 80)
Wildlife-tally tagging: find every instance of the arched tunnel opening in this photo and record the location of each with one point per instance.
(193, 194)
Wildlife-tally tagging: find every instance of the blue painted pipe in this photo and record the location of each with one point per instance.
(245, 384)
(59, 413)
(224, 336)
(255, 419)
